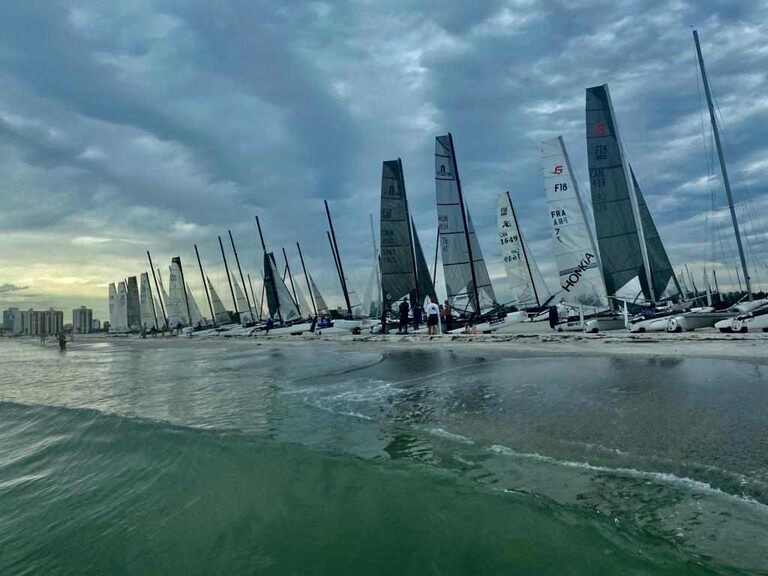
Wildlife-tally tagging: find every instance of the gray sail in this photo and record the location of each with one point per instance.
(279, 299)
(661, 268)
(456, 229)
(615, 223)
(424, 278)
(397, 266)
(220, 313)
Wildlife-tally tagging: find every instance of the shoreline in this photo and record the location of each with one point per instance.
(703, 344)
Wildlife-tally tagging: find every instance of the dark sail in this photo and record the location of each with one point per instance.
(397, 266)
(270, 286)
(661, 267)
(426, 285)
(616, 231)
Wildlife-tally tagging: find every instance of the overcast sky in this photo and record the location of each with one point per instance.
(153, 124)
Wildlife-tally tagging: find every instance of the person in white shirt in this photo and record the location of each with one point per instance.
(433, 317)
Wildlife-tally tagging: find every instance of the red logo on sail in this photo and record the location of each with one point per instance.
(600, 129)
(558, 170)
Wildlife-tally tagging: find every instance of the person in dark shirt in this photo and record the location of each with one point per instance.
(404, 308)
(553, 317)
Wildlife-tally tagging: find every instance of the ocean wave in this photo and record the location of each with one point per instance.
(661, 477)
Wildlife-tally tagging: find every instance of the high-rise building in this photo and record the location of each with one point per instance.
(82, 320)
(95, 325)
(134, 309)
(12, 321)
(36, 322)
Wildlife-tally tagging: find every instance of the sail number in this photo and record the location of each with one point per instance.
(561, 187)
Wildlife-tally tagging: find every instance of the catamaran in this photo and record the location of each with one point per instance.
(582, 295)
(404, 272)
(530, 294)
(736, 316)
(635, 265)
(467, 283)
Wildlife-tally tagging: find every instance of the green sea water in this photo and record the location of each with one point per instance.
(226, 457)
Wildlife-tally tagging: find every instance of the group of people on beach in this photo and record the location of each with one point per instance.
(434, 313)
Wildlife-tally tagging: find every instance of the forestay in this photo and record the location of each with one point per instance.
(578, 263)
(466, 279)
(528, 287)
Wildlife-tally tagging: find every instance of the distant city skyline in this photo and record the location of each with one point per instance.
(157, 125)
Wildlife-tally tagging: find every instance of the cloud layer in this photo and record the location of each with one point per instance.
(153, 124)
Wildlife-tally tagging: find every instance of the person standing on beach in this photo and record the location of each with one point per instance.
(416, 314)
(404, 308)
(448, 316)
(553, 317)
(433, 317)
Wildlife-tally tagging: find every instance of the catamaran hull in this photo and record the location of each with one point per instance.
(650, 325)
(595, 325)
(695, 321)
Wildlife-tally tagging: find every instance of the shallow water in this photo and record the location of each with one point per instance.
(200, 457)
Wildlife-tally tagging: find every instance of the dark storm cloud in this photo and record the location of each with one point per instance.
(154, 123)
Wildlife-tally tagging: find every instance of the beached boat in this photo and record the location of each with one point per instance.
(467, 282)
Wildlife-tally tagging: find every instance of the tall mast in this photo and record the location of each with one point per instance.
(306, 277)
(522, 244)
(723, 168)
(290, 277)
(205, 285)
(242, 279)
(177, 259)
(466, 226)
(337, 255)
(336, 263)
(229, 279)
(157, 289)
(410, 231)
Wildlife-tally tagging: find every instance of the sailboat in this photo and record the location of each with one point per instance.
(220, 313)
(529, 291)
(467, 282)
(635, 265)
(147, 305)
(742, 314)
(582, 293)
(404, 272)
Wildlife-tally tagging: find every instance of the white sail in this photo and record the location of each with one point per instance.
(121, 308)
(242, 302)
(322, 307)
(177, 301)
(194, 309)
(220, 313)
(306, 307)
(578, 263)
(465, 277)
(147, 304)
(370, 303)
(112, 300)
(528, 287)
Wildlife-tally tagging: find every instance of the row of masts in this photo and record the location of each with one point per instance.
(255, 312)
